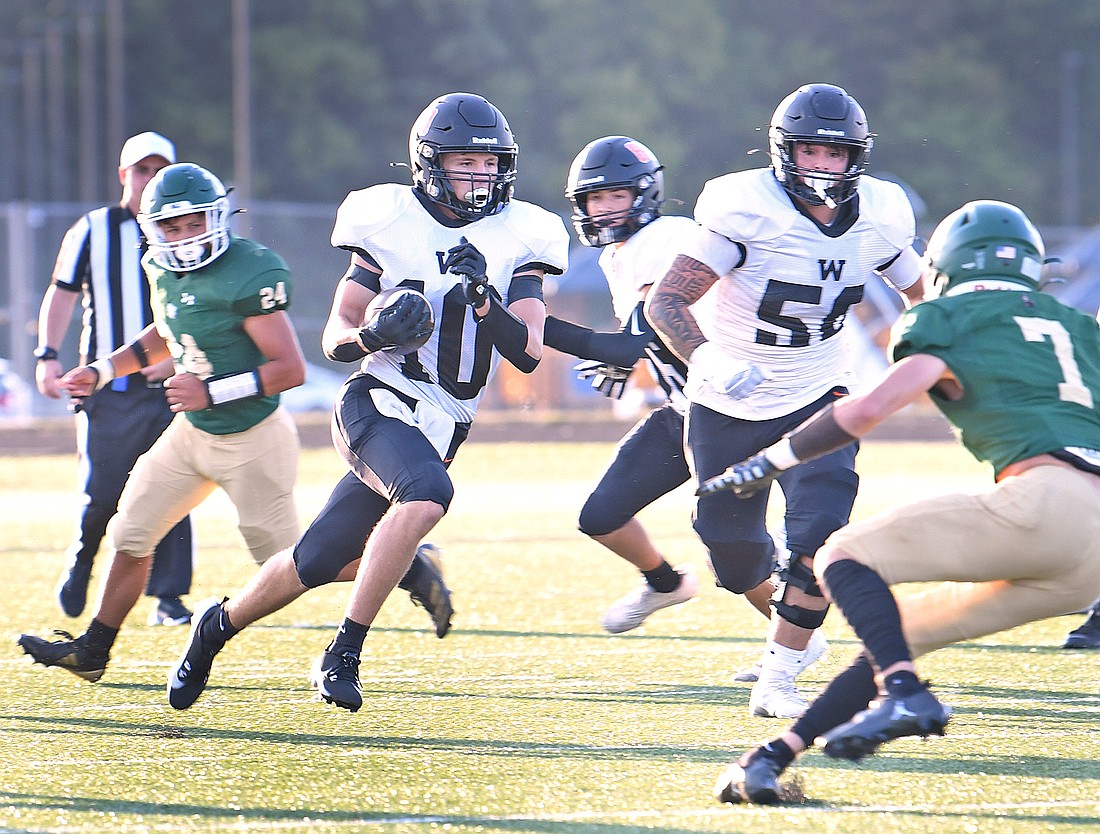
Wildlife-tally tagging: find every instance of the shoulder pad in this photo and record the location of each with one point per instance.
(260, 278)
(924, 329)
(745, 206)
(541, 231)
(886, 206)
(365, 211)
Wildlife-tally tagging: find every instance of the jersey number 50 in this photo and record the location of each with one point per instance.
(779, 293)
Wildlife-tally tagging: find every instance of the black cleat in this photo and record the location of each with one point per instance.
(72, 588)
(756, 781)
(919, 714)
(187, 678)
(427, 588)
(1086, 635)
(170, 611)
(69, 653)
(336, 677)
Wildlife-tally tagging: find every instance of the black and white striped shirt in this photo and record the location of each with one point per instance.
(101, 256)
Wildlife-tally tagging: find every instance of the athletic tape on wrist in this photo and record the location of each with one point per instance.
(105, 371)
(233, 387)
(781, 455)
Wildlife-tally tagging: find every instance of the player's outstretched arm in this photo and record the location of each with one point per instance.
(833, 427)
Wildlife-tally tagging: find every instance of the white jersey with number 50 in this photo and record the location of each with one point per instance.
(390, 224)
(783, 305)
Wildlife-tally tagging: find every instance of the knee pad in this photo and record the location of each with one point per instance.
(330, 544)
(429, 482)
(314, 570)
(741, 566)
(599, 517)
(801, 576)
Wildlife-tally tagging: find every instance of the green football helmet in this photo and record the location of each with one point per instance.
(185, 188)
(985, 240)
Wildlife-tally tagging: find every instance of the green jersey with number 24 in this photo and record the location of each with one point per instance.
(201, 315)
(1029, 366)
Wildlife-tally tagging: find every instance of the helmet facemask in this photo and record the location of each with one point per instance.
(819, 188)
(477, 195)
(463, 123)
(614, 162)
(177, 191)
(819, 114)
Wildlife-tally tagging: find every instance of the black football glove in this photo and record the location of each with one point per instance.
(403, 322)
(609, 380)
(743, 478)
(467, 261)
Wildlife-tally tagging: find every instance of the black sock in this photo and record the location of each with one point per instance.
(408, 581)
(847, 693)
(218, 629)
(663, 579)
(99, 638)
(901, 684)
(349, 638)
(869, 607)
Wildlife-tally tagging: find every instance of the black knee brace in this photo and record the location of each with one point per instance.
(801, 576)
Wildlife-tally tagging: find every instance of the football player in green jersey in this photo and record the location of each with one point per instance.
(219, 304)
(1017, 373)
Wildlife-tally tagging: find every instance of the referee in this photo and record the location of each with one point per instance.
(100, 259)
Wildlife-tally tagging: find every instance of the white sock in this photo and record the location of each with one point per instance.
(781, 661)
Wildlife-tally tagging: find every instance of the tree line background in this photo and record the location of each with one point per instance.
(968, 98)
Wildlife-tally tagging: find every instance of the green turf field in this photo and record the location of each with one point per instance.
(526, 718)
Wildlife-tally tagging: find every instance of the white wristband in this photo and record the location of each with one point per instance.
(780, 455)
(105, 371)
(233, 387)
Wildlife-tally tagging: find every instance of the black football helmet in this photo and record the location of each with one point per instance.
(614, 162)
(821, 114)
(463, 122)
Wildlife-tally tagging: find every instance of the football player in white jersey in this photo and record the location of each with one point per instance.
(616, 188)
(477, 257)
(782, 255)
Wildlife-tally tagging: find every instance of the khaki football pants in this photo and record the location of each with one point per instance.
(1024, 550)
(257, 469)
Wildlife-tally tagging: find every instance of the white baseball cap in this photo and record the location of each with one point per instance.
(143, 145)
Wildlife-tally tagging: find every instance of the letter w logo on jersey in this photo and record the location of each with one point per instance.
(830, 269)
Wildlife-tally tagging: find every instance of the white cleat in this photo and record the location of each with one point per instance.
(631, 611)
(776, 697)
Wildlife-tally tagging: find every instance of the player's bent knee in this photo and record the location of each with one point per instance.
(325, 549)
(315, 570)
(800, 616)
(800, 577)
(597, 518)
(822, 559)
(741, 566)
(264, 543)
(429, 483)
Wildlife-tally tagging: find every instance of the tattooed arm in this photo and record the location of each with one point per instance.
(666, 306)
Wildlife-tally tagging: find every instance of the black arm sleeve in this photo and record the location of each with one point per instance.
(509, 335)
(347, 352)
(623, 348)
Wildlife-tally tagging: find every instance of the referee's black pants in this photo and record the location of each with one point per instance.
(114, 428)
